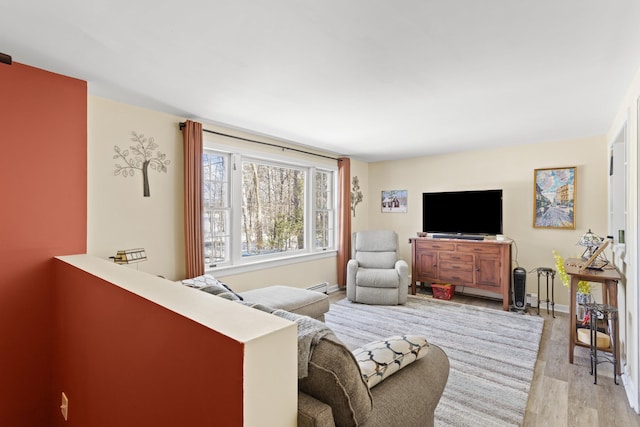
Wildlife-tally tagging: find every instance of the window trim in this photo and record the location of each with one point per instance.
(228, 270)
(238, 264)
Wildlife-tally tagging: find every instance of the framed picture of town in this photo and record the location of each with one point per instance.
(554, 192)
(394, 201)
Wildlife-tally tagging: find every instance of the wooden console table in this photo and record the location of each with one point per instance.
(480, 264)
(609, 278)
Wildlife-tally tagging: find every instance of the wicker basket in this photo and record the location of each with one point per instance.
(443, 291)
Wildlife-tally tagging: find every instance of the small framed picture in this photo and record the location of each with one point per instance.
(394, 201)
(554, 192)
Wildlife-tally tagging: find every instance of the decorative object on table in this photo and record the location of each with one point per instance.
(130, 256)
(142, 158)
(593, 254)
(356, 194)
(591, 241)
(582, 300)
(583, 294)
(394, 201)
(554, 191)
(583, 286)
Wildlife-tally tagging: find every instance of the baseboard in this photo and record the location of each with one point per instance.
(333, 288)
(632, 392)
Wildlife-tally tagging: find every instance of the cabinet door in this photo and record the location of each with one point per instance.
(427, 266)
(488, 271)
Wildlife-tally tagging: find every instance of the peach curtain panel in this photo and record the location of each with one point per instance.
(194, 246)
(344, 218)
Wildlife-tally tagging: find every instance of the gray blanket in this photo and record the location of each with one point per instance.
(310, 331)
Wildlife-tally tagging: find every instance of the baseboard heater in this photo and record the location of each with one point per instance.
(320, 287)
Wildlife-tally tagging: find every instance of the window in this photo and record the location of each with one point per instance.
(216, 209)
(324, 208)
(272, 208)
(258, 209)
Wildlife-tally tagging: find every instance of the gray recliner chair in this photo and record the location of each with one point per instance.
(375, 274)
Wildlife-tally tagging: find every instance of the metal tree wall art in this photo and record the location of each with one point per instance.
(142, 158)
(356, 194)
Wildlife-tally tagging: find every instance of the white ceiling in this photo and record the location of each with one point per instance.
(377, 80)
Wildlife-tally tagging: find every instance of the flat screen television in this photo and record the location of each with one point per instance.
(462, 212)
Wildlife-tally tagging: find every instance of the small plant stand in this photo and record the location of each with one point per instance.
(547, 272)
(606, 316)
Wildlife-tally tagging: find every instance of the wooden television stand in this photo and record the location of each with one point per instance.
(480, 264)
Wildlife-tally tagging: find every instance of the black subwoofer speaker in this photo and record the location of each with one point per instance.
(519, 287)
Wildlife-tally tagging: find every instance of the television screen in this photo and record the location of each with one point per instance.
(462, 212)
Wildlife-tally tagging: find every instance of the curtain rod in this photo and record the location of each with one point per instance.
(183, 124)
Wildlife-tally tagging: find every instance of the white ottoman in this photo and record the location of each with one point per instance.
(295, 300)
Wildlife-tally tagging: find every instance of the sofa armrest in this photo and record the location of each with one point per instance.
(313, 413)
(403, 273)
(410, 396)
(352, 269)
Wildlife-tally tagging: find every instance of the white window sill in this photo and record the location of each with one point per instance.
(263, 264)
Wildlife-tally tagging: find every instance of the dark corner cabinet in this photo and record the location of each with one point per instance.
(480, 264)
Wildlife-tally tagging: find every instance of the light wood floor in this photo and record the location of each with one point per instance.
(563, 394)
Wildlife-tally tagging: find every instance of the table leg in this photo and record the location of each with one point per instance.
(547, 277)
(572, 317)
(538, 308)
(611, 287)
(553, 297)
(616, 361)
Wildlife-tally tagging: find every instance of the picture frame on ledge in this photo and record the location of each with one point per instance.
(554, 192)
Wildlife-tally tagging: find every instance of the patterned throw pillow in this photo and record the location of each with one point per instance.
(210, 284)
(380, 359)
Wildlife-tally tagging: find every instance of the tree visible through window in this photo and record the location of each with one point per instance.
(272, 209)
(259, 208)
(324, 228)
(215, 220)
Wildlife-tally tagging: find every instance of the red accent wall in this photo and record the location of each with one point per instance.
(43, 193)
(125, 361)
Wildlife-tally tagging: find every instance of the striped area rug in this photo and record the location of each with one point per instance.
(492, 353)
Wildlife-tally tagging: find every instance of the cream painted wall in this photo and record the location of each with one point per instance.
(303, 275)
(119, 217)
(510, 169)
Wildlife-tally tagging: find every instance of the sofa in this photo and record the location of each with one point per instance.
(396, 381)
(295, 300)
(334, 394)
